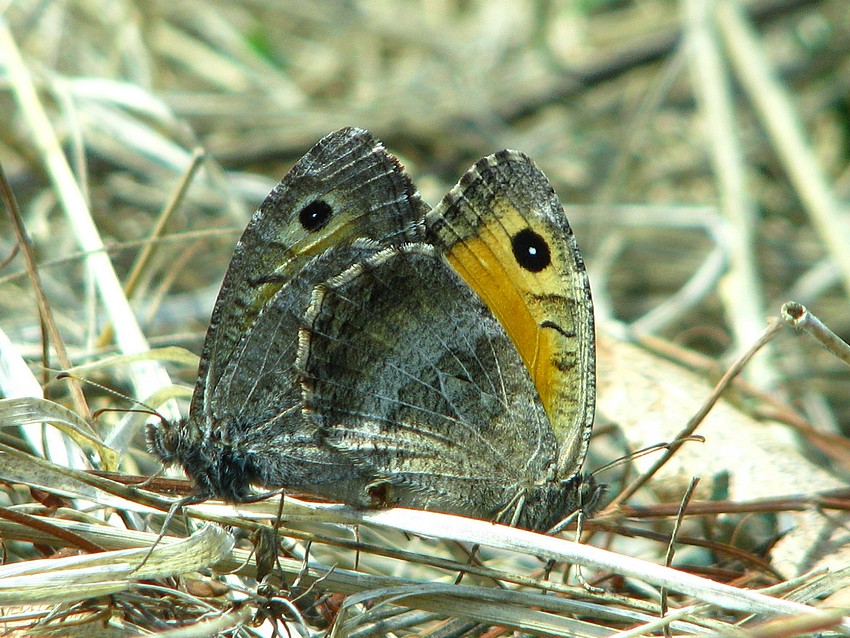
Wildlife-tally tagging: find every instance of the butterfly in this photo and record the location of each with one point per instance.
(366, 349)
(245, 425)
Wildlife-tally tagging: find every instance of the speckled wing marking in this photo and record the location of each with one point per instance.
(413, 380)
(343, 200)
(346, 186)
(504, 231)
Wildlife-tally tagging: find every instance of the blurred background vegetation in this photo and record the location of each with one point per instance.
(700, 150)
(656, 159)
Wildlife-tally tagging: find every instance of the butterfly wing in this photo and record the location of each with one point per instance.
(410, 377)
(346, 186)
(244, 425)
(503, 229)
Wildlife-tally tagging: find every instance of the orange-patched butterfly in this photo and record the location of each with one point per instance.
(369, 351)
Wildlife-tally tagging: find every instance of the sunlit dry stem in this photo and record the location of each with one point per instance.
(24, 244)
(798, 316)
(734, 370)
(671, 546)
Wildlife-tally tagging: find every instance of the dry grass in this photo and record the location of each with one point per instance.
(707, 148)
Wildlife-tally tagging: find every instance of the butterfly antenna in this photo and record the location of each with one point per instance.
(143, 409)
(650, 449)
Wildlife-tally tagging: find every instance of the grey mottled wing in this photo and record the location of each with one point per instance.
(244, 426)
(410, 377)
(347, 186)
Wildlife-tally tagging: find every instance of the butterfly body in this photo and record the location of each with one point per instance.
(244, 425)
(425, 394)
(370, 351)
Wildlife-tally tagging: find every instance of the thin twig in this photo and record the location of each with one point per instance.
(741, 289)
(798, 316)
(167, 211)
(671, 546)
(773, 328)
(149, 376)
(44, 310)
(148, 247)
(775, 107)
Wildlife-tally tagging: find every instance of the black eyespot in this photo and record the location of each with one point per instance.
(530, 250)
(315, 215)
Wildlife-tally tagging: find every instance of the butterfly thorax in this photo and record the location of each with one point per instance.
(217, 467)
(546, 505)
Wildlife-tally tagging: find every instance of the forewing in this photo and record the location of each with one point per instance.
(346, 187)
(504, 231)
